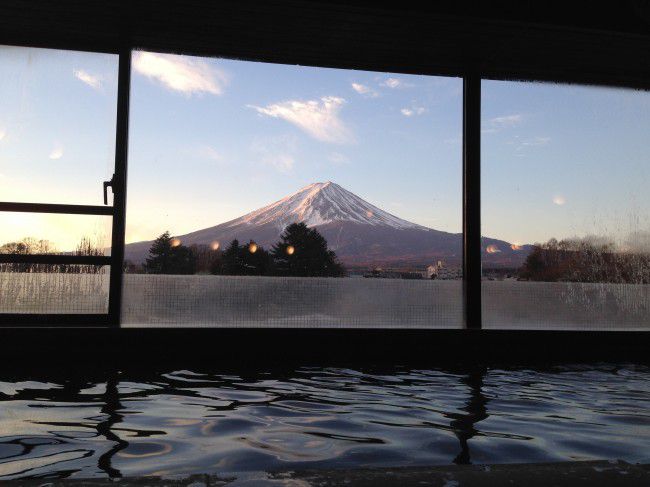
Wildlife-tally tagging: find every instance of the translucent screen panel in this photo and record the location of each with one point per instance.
(56, 289)
(565, 207)
(57, 125)
(292, 196)
(49, 233)
(240, 301)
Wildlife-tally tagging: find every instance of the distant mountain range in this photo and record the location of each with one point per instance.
(360, 233)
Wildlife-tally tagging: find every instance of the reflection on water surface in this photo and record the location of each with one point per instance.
(184, 422)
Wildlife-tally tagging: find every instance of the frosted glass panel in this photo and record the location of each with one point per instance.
(252, 301)
(55, 289)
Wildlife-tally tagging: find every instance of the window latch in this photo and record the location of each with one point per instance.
(106, 185)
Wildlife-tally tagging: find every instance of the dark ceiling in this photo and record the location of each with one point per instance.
(587, 42)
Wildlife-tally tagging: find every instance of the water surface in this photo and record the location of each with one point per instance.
(183, 422)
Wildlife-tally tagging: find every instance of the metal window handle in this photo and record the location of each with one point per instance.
(106, 185)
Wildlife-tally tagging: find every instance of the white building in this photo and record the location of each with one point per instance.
(441, 271)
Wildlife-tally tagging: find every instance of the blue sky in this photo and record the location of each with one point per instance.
(570, 161)
(274, 129)
(212, 139)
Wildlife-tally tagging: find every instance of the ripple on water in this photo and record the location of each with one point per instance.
(185, 421)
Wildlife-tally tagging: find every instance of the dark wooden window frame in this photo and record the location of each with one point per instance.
(430, 343)
(118, 213)
(471, 217)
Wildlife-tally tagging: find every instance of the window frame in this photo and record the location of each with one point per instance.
(118, 213)
(471, 217)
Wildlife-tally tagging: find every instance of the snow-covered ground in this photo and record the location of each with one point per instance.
(238, 301)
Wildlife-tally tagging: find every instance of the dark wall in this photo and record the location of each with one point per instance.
(548, 40)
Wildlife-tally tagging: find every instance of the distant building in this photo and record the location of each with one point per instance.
(380, 273)
(442, 271)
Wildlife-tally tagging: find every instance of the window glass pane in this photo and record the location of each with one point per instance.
(342, 189)
(56, 289)
(57, 125)
(566, 206)
(50, 233)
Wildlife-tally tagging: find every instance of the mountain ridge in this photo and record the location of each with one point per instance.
(321, 203)
(360, 233)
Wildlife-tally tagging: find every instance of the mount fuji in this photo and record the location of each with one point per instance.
(360, 233)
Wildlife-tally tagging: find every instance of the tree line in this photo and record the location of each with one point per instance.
(301, 251)
(584, 260)
(30, 246)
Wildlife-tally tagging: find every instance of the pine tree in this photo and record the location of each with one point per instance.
(239, 260)
(231, 260)
(159, 258)
(257, 263)
(165, 258)
(183, 260)
(303, 251)
(207, 260)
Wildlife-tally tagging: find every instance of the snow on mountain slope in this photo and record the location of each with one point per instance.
(319, 204)
(359, 232)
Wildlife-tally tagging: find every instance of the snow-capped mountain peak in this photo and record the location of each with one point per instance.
(320, 204)
(360, 233)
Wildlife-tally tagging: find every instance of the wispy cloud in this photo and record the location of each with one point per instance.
(392, 83)
(409, 112)
(56, 153)
(364, 90)
(181, 73)
(93, 81)
(506, 120)
(535, 141)
(276, 152)
(453, 140)
(497, 124)
(282, 162)
(338, 158)
(318, 118)
(209, 152)
(523, 146)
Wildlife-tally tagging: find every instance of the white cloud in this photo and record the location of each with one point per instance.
(209, 152)
(3, 134)
(180, 73)
(523, 146)
(364, 90)
(93, 81)
(536, 141)
(282, 162)
(409, 112)
(57, 153)
(506, 120)
(276, 152)
(318, 118)
(392, 83)
(338, 158)
(497, 124)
